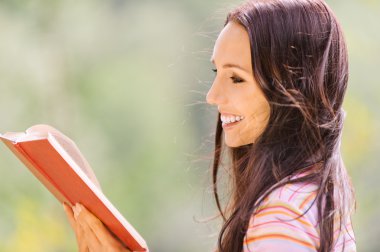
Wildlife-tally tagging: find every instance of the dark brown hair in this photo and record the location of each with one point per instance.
(299, 59)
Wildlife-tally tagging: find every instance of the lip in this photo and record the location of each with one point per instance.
(230, 125)
(227, 114)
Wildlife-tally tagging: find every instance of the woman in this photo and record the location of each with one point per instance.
(281, 75)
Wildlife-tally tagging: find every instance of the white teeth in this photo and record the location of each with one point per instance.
(231, 119)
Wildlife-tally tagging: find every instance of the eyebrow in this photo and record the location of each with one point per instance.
(230, 65)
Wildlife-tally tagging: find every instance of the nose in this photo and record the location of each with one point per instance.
(215, 96)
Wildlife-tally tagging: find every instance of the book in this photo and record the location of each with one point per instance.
(55, 160)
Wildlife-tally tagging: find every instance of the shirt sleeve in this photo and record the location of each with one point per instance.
(275, 227)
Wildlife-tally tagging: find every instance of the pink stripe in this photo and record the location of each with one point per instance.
(336, 231)
(281, 207)
(347, 226)
(290, 198)
(282, 188)
(285, 223)
(271, 207)
(341, 244)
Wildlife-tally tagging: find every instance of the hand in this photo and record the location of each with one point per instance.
(91, 234)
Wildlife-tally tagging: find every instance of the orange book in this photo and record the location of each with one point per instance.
(58, 164)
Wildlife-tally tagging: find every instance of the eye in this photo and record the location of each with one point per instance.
(236, 79)
(214, 70)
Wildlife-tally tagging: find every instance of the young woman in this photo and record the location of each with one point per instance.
(281, 75)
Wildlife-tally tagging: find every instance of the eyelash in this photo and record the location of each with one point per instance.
(234, 78)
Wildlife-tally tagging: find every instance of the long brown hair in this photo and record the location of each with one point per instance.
(299, 59)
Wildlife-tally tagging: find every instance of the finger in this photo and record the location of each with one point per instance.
(81, 240)
(79, 234)
(88, 241)
(104, 236)
(92, 240)
(102, 233)
(82, 246)
(70, 215)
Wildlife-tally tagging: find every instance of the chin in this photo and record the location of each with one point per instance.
(233, 144)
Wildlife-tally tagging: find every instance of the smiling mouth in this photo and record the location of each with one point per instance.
(229, 121)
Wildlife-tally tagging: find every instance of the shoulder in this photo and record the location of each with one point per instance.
(298, 196)
(280, 222)
(287, 220)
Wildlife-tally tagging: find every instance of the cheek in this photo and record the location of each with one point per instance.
(253, 105)
(259, 111)
(257, 116)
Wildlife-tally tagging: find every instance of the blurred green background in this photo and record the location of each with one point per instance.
(126, 80)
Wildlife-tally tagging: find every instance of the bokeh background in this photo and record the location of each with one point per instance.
(126, 80)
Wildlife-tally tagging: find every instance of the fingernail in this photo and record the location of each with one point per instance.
(75, 210)
(79, 207)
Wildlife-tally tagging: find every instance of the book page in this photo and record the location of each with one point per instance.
(41, 131)
(35, 132)
(13, 136)
(73, 151)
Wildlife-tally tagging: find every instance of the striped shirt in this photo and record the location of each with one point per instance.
(275, 226)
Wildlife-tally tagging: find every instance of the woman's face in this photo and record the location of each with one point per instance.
(243, 107)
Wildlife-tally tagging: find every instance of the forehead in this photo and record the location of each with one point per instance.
(232, 46)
